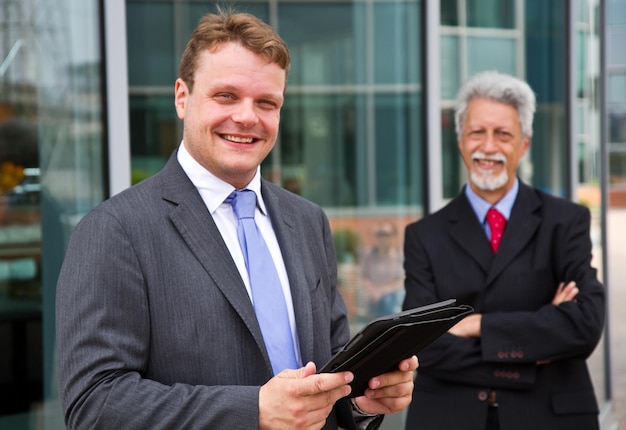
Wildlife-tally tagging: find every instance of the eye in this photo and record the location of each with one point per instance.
(268, 104)
(476, 133)
(504, 135)
(224, 96)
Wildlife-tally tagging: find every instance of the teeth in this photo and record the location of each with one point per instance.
(238, 139)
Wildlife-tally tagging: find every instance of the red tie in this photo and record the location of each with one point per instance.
(497, 223)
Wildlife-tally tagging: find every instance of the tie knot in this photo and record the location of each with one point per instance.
(243, 202)
(495, 219)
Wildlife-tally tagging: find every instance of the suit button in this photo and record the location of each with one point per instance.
(483, 395)
(517, 354)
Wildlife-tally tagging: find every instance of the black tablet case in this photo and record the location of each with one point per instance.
(380, 346)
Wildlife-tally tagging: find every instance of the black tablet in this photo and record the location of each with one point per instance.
(380, 346)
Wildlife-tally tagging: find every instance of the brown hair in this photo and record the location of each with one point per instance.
(228, 26)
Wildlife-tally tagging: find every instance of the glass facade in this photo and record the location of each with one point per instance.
(616, 88)
(51, 158)
(352, 135)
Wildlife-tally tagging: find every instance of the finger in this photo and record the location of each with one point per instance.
(570, 291)
(409, 364)
(326, 382)
(559, 296)
(387, 400)
(393, 378)
(303, 372)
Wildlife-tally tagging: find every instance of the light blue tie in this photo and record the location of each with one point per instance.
(267, 294)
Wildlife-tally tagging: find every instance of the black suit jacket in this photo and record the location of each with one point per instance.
(546, 241)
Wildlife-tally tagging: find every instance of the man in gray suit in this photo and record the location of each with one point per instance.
(155, 323)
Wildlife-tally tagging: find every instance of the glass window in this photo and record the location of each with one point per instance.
(615, 44)
(453, 167)
(153, 133)
(394, 35)
(150, 35)
(51, 173)
(491, 53)
(617, 12)
(617, 124)
(317, 148)
(616, 88)
(617, 168)
(322, 41)
(491, 13)
(582, 63)
(398, 166)
(545, 42)
(450, 67)
(449, 12)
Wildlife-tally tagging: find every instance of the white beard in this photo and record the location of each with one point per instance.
(487, 182)
(484, 179)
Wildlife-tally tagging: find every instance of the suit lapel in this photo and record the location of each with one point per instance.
(467, 232)
(522, 225)
(197, 228)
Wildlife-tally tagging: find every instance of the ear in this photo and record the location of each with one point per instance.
(181, 93)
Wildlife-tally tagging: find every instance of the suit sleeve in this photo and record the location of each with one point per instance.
(103, 344)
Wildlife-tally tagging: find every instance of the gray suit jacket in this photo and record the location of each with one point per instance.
(155, 328)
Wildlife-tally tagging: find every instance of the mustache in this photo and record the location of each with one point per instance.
(480, 155)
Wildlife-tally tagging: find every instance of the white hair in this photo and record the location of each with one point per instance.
(501, 88)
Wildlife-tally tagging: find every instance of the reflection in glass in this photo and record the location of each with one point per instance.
(21, 344)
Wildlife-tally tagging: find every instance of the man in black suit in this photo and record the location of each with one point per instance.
(519, 362)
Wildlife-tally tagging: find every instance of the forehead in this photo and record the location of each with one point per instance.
(487, 112)
(232, 64)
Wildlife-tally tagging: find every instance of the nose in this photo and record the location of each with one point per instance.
(490, 144)
(244, 113)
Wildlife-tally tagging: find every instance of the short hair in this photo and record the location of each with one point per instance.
(214, 30)
(501, 88)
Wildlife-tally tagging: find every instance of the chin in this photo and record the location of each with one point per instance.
(489, 182)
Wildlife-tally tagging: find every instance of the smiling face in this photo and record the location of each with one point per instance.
(492, 146)
(232, 116)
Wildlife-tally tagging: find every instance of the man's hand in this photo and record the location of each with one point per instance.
(468, 326)
(390, 392)
(565, 293)
(301, 399)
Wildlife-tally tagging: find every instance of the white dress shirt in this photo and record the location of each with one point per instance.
(213, 192)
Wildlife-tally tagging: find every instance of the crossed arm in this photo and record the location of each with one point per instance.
(470, 325)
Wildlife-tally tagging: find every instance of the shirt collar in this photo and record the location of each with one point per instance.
(212, 189)
(481, 206)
